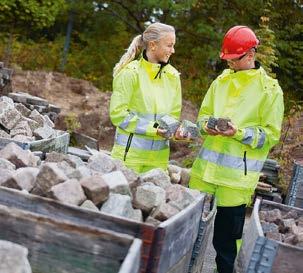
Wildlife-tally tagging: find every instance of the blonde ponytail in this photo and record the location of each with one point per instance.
(133, 50)
(153, 32)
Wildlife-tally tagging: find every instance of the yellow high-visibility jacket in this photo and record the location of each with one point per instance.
(254, 103)
(142, 93)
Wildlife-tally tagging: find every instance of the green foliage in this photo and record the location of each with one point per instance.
(102, 30)
(72, 123)
(33, 13)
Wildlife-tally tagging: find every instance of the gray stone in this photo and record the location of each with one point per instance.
(169, 124)
(69, 192)
(84, 171)
(152, 221)
(157, 177)
(117, 182)
(137, 215)
(185, 176)
(291, 214)
(95, 188)
(48, 122)
(19, 96)
(22, 179)
(290, 239)
(23, 110)
(7, 99)
(4, 175)
(101, 162)
(274, 236)
(119, 205)
(73, 161)
(5, 164)
(149, 196)
(49, 175)
(288, 225)
(179, 196)
(33, 125)
(13, 258)
(174, 173)
(69, 171)
(88, 204)
(83, 154)
(44, 132)
(36, 116)
(269, 227)
(20, 158)
(36, 101)
(9, 116)
(4, 134)
(23, 138)
(164, 211)
(189, 128)
(21, 128)
(273, 215)
(131, 176)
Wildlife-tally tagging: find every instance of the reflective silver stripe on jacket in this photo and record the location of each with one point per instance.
(127, 120)
(261, 139)
(142, 122)
(141, 143)
(230, 161)
(248, 136)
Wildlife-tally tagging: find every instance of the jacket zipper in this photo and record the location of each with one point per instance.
(129, 141)
(245, 163)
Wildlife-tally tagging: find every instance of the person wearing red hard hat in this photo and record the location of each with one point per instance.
(228, 165)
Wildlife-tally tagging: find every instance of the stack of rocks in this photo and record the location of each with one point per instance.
(19, 123)
(268, 186)
(36, 103)
(102, 184)
(286, 227)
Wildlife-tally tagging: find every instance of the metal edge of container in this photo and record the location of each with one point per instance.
(131, 263)
(292, 190)
(249, 245)
(202, 237)
(157, 258)
(31, 145)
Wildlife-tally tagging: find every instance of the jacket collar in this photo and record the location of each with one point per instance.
(153, 69)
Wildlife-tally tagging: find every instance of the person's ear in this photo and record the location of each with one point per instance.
(251, 55)
(152, 45)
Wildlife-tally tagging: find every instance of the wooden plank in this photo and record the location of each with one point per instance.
(175, 239)
(60, 211)
(132, 261)
(64, 247)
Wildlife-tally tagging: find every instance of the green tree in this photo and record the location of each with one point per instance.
(21, 16)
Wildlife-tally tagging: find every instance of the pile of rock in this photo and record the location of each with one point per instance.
(19, 123)
(102, 184)
(286, 227)
(36, 103)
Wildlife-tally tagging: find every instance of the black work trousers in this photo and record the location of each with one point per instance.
(228, 229)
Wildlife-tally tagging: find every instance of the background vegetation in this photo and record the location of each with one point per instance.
(85, 39)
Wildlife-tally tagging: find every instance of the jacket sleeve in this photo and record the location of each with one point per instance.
(206, 109)
(177, 101)
(267, 134)
(120, 115)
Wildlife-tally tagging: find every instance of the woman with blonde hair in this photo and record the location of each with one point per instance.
(144, 90)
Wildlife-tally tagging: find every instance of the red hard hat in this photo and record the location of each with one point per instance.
(237, 41)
